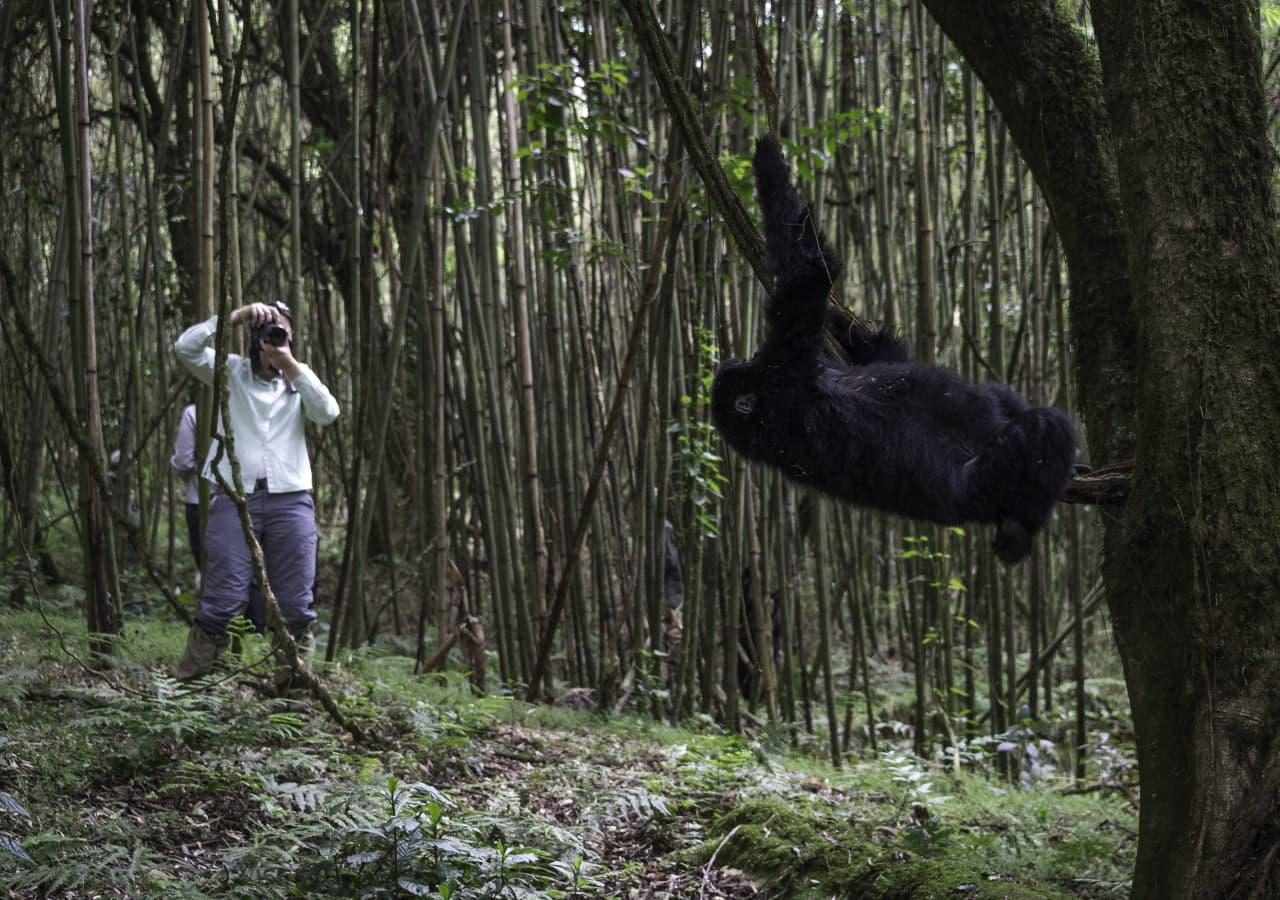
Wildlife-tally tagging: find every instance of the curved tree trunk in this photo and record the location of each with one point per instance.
(1153, 155)
(1200, 629)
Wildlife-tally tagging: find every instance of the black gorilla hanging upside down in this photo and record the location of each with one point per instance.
(869, 426)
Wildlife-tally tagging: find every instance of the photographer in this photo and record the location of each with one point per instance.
(268, 395)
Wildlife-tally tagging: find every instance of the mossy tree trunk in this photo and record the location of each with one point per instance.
(1153, 152)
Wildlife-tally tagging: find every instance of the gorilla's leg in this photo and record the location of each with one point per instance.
(1021, 474)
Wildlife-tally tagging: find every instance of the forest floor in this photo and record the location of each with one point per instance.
(122, 782)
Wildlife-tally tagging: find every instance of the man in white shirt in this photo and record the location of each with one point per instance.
(268, 395)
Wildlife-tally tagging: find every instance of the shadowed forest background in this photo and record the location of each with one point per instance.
(507, 268)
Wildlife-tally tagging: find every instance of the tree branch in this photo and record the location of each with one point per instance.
(1105, 486)
(741, 229)
(283, 639)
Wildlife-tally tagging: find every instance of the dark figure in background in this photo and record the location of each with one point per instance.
(672, 571)
(867, 425)
(748, 659)
(673, 595)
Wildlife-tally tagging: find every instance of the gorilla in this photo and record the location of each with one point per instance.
(860, 421)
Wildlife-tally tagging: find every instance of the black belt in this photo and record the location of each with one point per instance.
(260, 485)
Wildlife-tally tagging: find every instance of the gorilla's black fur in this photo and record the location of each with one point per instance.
(867, 425)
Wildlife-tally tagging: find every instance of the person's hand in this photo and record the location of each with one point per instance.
(255, 315)
(280, 358)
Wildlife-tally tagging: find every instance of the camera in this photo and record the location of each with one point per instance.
(274, 334)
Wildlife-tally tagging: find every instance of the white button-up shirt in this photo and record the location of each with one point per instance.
(266, 416)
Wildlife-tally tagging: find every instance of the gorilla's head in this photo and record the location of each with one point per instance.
(736, 407)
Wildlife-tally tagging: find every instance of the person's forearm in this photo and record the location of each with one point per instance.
(317, 402)
(193, 350)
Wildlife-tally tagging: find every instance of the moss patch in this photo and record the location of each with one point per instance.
(800, 850)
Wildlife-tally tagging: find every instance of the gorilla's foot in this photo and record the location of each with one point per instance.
(1012, 542)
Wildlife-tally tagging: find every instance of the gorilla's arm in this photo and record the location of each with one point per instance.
(803, 266)
(860, 344)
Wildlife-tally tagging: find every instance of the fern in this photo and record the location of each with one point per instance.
(9, 804)
(58, 864)
(395, 839)
(206, 779)
(11, 845)
(635, 805)
(8, 843)
(299, 797)
(13, 687)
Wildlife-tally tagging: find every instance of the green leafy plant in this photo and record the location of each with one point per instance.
(635, 804)
(8, 843)
(698, 470)
(55, 865)
(410, 840)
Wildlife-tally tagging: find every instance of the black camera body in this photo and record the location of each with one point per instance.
(274, 334)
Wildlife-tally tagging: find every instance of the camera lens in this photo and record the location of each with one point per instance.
(275, 335)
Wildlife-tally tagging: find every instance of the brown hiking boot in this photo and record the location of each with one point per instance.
(202, 653)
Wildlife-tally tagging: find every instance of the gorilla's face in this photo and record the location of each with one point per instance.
(736, 404)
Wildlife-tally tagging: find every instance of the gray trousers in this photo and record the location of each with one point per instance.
(285, 525)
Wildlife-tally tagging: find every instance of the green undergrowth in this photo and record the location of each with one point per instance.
(799, 850)
(123, 782)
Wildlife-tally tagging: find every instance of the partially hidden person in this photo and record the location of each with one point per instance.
(184, 465)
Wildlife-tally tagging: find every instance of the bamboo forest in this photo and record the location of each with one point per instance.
(378, 518)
